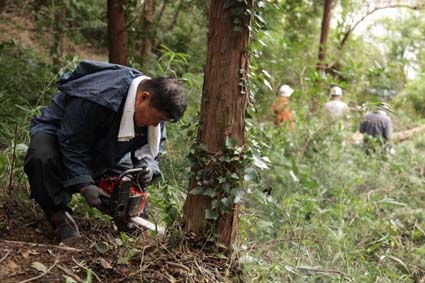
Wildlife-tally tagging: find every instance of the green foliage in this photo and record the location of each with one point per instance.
(86, 21)
(323, 213)
(25, 81)
(414, 95)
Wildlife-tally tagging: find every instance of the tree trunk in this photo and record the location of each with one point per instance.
(170, 27)
(321, 65)
(117, 32)
(2, 5)
(397, 137)
(58, 32)
(148, 11)
(405, 135)
(222, 116)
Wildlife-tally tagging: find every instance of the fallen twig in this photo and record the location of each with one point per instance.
(70, 273)
(321, 270)
(41, 245)
(41, 275)
(175, 264)
(369, 194)
(86, 269)
(5, 256)
(12, 165)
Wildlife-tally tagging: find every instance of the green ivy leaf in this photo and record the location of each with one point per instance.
(234, 176)
(211, 214)
(238, 196)
(197, 191)
(230, 143)
(210, 192)
(228, 202)
(133, 252)
(259, 162)
(268, 84)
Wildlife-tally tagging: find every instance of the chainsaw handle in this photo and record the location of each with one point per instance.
(133, 171)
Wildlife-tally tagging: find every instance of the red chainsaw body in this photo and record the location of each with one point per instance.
(137, 196)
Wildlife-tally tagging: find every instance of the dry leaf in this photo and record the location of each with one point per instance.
(39, 266)
(27, 253)
(12, 265)
(105, 264)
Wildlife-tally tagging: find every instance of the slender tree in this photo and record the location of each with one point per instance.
(117, 32)
(2, 5)
(148, 11)
(222, 116)
(321, 65)
(58, 32)
(170, 27)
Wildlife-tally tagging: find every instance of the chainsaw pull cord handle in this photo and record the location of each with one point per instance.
(125, 173)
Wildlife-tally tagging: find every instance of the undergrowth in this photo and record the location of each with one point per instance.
(328, 212)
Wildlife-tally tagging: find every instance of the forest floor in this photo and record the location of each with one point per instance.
(28, 253)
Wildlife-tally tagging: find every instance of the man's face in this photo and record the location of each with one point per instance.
(144, 114)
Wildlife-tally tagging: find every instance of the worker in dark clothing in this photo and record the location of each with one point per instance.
(101, 113)
(377, 129)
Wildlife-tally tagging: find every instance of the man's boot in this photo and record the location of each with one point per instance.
(66, 230)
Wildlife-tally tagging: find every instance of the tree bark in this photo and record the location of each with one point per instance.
(117, 32)
(222, 115)
(321, 65)
(148, 11)
(59, 29)
(2, 5)
(327, 8)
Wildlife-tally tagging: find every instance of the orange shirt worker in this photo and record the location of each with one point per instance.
(281, 108)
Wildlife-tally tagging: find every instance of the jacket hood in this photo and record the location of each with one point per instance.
(103, 83)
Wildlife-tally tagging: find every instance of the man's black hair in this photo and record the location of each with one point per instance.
(168, 96)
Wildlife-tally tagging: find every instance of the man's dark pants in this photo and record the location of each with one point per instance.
(44, 168)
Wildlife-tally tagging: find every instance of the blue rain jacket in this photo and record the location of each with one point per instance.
(85, 115)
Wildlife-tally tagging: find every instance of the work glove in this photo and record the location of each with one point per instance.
(92, 195)
(146, 175)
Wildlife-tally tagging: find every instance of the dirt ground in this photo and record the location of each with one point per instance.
(28, 253)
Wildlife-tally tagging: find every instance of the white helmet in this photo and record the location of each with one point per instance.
(336, 91)
(285, 90)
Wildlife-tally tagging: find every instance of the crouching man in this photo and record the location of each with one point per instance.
(102, 112)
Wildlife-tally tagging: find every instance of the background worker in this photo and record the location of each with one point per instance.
(101, 112)
(335, 106)
(281, 109)
(377, 130)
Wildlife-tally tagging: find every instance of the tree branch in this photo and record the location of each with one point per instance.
(350, 29)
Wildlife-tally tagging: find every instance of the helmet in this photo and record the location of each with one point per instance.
(285, 90)
(336, 91)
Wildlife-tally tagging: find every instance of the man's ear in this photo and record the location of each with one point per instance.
(142, 97)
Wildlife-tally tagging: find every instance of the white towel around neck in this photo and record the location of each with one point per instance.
(126, 131)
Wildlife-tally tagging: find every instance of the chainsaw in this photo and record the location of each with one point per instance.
(127, 204)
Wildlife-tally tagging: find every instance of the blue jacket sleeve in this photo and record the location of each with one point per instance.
(77, 136)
